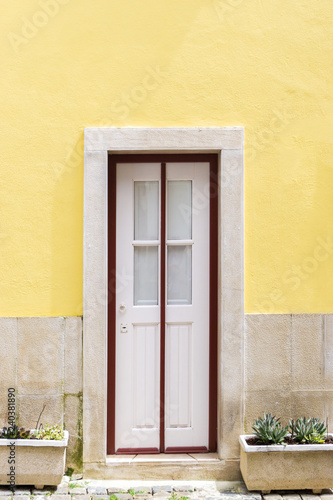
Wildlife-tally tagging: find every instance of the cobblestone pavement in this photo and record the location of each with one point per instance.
(84, 489)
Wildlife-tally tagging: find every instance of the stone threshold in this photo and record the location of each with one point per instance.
(163, 457)
(187, 466)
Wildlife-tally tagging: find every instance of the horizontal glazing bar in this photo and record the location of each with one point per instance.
(180, 242)
(146, 243)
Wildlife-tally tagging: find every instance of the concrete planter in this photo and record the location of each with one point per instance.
(290, 467)
(33, 461)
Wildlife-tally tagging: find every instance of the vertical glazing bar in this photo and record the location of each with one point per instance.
(162, 383)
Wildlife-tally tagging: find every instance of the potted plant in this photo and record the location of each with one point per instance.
(32, 457)
(298, 456)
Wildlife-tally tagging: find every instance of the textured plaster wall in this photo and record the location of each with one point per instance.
(69, 64)
(43, 362)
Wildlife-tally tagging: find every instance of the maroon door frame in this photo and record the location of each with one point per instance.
(113, 160)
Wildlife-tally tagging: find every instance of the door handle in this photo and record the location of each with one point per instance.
(122, 308)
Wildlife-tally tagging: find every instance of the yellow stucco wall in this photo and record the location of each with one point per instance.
(265, 65)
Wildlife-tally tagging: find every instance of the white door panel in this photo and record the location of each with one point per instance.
(187, 332)
(138, 349)
(138, 308)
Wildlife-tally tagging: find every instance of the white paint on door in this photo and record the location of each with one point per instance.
(138, 305)
(137, 350)
(187, 353)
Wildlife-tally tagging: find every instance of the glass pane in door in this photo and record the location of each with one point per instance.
(179, 274)
(179, 210)
(145, 275)
(146, 210)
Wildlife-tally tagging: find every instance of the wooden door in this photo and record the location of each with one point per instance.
(161, 310)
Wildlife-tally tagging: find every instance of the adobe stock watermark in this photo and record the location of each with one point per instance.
(11, 445)
(140, 434)
(121, 107)
(260, 140)
(73, 160)
(3, 238)
(226, 8)
(293, 277)
(31, 26)
(201, 197)
(120, 110)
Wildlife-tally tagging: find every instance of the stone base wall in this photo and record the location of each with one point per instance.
(288, 366)
(42, 359)
(288, 371)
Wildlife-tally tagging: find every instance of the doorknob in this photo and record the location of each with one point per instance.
(122, 308)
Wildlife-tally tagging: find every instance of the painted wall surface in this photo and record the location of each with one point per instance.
(69, 64)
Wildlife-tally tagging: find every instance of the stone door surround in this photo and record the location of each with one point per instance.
(228, 142)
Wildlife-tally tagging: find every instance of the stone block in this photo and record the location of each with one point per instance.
(187, 488)
(29, 408)
(164, 488)
(57, 496)
(73, 415)
(80, 497)
(230, 496)
(79, 490)
(73, 423)
(8, 356)
(328, 350)
(312, 404)
(252, 495)
(4, 408)
(62, 489)
(268, 351)
(230, 415)
(230, 399)
(181, 494)
(206, 490)
(97, 490)
(307, 346)
(232, 181)
(73, 356)
(278, 403)
(76, 477)
(40, 347)
(42, 492)
(142, 489)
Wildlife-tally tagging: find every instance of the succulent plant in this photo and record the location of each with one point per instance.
(50, 432)
(269, 429)
(14, 432)
(311, 430)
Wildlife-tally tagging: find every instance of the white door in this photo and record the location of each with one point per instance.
(142, 192)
